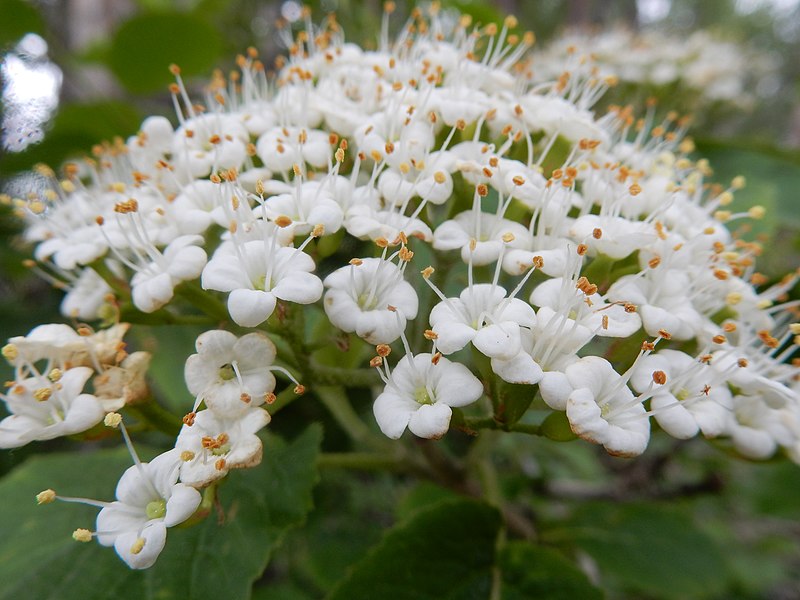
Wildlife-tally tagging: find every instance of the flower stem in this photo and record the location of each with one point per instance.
(199, 298)
(324, 374)
(157, 416)
(364, 461)
(336, 401)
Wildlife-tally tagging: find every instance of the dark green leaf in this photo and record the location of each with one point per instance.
(536, 572)
(210, 560)
(444, 552)
(651, 549)
(421, 496)
(145, 46)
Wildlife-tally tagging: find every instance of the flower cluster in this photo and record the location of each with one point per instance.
(711, 69)
(490, 227)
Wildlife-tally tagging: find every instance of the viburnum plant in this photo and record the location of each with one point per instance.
(492, 254)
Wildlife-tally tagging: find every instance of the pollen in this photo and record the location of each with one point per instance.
(719, 339)
(663, 333)
(187, 456)
(10, 352)
(46, 497)
(538, 262)
(427, 272)
(654, 262)
(43, 394)
(383, 350)
(659, 377)
(283, 221)
(508, 237)
(138, 545)
(82, 535)
(299, 389)
(112, 419)
(757, 212)
(188, 419)
(270, 398)
(375, 362)
(733, 298)
(482, 190)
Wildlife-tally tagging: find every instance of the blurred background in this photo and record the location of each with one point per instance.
(76, 72)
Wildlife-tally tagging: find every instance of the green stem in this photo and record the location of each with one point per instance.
(478, 423)
(205, 301)
(282, 400)
(157, 416)
(364, 461)
(525, 428)
(325, 375)
(336, 402)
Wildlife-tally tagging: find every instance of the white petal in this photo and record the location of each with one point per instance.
(431, 421)
(154, 535)
(393, 412)
(250, 308)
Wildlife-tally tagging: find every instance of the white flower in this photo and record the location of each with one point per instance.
(209, 142)
(149, 500)
(154, 284)
(63, 347)
(419, 395)
(690, 397)
(259, 274)
(215, 444)
(486, 229)
(307, 205)
(483, 315)
(86, 296)
(359, 296)
(42, 409)
(231, 374)
(283, 147)
(603, 410)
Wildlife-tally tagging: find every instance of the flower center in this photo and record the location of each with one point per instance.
(220, 450)
(682, 394)
(367, 301)
(156, 509)
(226, 372)
(422, 397)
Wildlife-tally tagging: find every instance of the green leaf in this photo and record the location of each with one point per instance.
(556, 427)
(210, 560)
(444, 552)
(651, 549)
(421, 496)
(18, 18)
(514, 400)
(145, 46)
(170, 347)
(535, 572)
